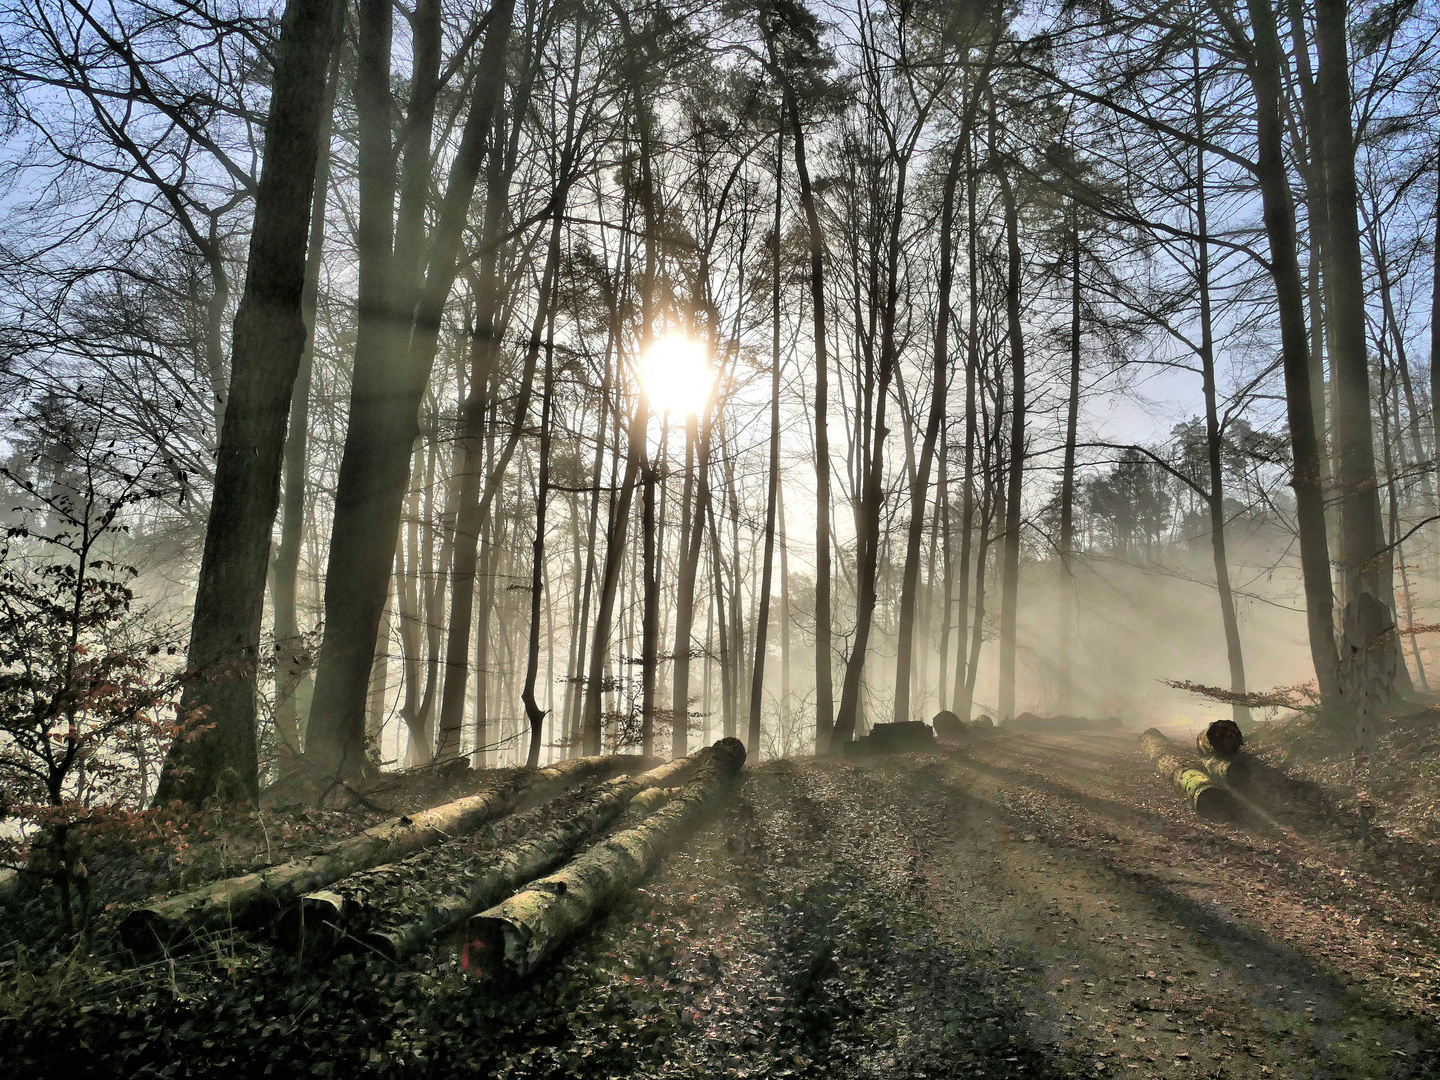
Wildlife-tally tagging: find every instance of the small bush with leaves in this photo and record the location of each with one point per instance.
(89, 691)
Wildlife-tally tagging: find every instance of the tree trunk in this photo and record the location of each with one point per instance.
(940, 381)
(1216, 497)
(350, 916)
(1369, 658)
(964, 676)
(269, 336)
(533, 712)
(762, 619)
(824, 680)
(385, 399)
(692, 532)
(869, 537)
(1069, 609)
(1435, 326)
(1010, 582)
(292, 665)
(1279, 216)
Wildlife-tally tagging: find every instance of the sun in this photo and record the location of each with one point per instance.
(677, 375)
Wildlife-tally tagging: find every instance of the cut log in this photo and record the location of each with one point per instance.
(1211, 799)
(949, 727)
(324, 915)
(515, 938)
(1222, 739)
(252, 899)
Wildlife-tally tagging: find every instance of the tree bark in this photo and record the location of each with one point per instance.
(269, 336)
(964, 681)
(1369, 658)
(533, 712)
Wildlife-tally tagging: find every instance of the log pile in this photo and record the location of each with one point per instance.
(331, 918)
(516, 937)
(1189, 778)
(253, 899)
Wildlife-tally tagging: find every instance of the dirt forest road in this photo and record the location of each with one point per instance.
(1033, 906)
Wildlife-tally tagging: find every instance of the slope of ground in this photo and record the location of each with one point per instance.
(1029, 907)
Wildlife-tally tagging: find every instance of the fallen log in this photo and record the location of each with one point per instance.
(252, 899)
(324, 915)
(1222, 739)
(1237, 771)
(1209, 798)
(515, 938)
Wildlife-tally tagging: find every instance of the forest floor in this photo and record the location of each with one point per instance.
(1025, 906)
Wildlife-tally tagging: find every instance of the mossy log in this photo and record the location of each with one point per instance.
(324, 913)
(1237, 771)
(515, 938)
(1210, 798)
(252, 899)
(1222, 739)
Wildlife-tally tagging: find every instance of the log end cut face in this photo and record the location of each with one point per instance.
(1216, 804)
(1223, 738)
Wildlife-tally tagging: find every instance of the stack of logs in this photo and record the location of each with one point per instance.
(1209, 779)
(614, 835)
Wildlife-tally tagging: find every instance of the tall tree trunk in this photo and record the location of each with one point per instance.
(292, 665)
(692, 533)
(268, 338)
(1369, 660)
(1069, 609)
(1010, 581)
(940, 380)
(533, 711)
(384, 402)
(824, 680)
(963, 674)
(869, 538)
(1279, 215)
(480, 484)
(785, 686)
(1435, 326)
(1216, 498)
(762, 619)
